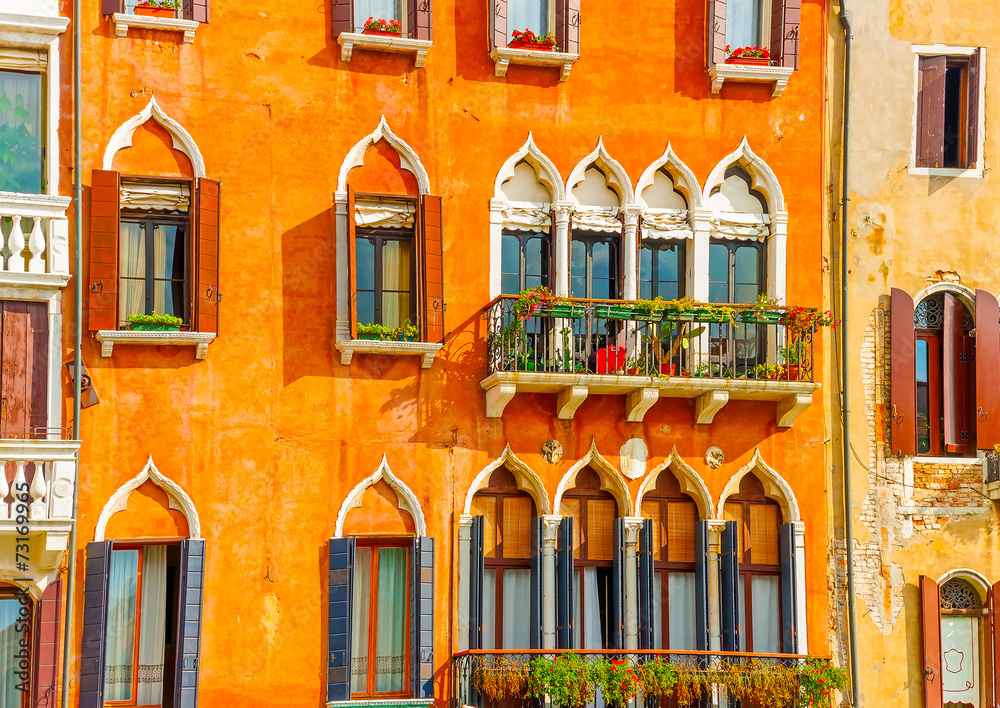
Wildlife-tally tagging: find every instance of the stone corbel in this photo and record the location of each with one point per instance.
(568, 400)
(708, 404)
(790, 407)
(498, 397)
(638, 402)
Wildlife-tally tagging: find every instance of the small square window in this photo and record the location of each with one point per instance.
(948, 121)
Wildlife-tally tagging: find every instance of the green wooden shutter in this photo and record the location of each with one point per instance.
(647, 586)
(789, 606)
(95, 612)
(564, 584)
(535, 611)
(729, 574)
(189, 623)
(422, 615)
(476, 571)
(339, 603)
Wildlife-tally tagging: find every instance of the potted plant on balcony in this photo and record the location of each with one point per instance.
(153, 323)
(751, 56)
(529, 40)
(157, 8)
(404, 333)
(389, 28)
(567, 679)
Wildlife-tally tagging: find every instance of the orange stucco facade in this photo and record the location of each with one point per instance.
(270, 432)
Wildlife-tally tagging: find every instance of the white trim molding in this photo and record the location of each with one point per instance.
(176, 496)
(611, 480)
(775, 487)
(405, 497)
(972, 576)
(684, 180)
(425, 350)
(408, 158)
(548, 173)
(615, 174)
(182, 139)
(739, 73)
(690, 482)
(503, 57)
(348, 41)
(527, 481)
(964, 293)
(199, 340)
(122, 21)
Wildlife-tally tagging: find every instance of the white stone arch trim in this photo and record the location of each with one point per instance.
(611, 481)
(775, 487)
(527, 481)
(680, 173)
(177, 500)
(762, 176)
(964, 293)
(616, 176)
(691, 484)
(408, 159)
(548, 173)
(977, 579)
(404, 495)
(182, 139)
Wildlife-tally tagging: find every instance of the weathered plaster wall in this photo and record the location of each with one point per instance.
(270, 432)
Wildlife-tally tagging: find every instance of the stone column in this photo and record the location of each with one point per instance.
(631, 250)
(563, 212)
(550, 528)
(633, 525)
(343, 329)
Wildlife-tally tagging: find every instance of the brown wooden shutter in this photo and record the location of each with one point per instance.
(110, 7)
(342, 17)
(431, 245)
(47, 648)
(785, 18)
(930, 632)
(352, 264)
(972, 149)
(987, 371)
(567, 25)
(420, 19)
(953, 380)
(38, 358)
(498, 23)
(196, 10)
(104, 216)
(903, 375)
(24, 360)
(930, 112)
(717, 32)
(207, 295)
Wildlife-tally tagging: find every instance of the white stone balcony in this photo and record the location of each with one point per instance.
(34, 240)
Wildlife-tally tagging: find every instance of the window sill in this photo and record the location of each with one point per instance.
(122, 21)
(974, 173)
(778, 75)
(349, 347)
(109, 337)
(382, 703)
(931, 460)
(504, 56)
(382, 43)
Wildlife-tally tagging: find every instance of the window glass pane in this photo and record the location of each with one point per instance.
(747, 275)
(668, 275)
(396, 282)
(11, 634)
(390, 628)
(743, 23)
(21, 132)
(718, 273)
(923, 397)
(131, 269)
(578, 268)
(536, 251)
(658, 610)
(681, 599)
(766, 614)
(119, 642)
(577, 608)
(516, 601)
(645, 272)
(365, 262)
(764, 522)
(960, 660)
(379, 9)
(601, 271)
(681, 518)
(528, 14)
(510, 264)
(360, 621)
(600, 526)
(516, 529)
(489, 608)
(742, 603)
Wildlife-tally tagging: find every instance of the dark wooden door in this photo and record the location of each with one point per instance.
(24, 361)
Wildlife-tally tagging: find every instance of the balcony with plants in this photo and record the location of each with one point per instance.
(645, 350)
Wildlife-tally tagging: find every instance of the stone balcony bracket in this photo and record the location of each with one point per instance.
(349, 41)
(426, 351)
(777, 75)
(200, 340)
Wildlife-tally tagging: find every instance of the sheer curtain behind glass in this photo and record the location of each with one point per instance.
(10, 640)
(119, 644)
(21, 132)
(360, 619)
(765, 591)
(168, 269)
(528, 14)
(743, 23)
(489, 609)
(681, 599)
(390, 629)
(396, 283)
(131, 270)
(152, 625)
(379, 9)
(516, 601)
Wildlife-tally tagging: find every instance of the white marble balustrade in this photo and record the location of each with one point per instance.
(34, 238)
(50, 490)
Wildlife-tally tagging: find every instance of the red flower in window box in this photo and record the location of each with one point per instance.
(752, 56)
(529, 40)
(391, 28)
(156, 8)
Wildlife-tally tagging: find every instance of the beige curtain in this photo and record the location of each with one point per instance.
(161, 269)
(132, 256)
(152, 625)
(396, 282)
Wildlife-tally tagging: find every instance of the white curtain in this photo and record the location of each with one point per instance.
(119, 644)
(396, 283)
(657, 610)
(10, 640)
(766, 611)
(132, 256)
(666, 224)
(733, 225)
(604, 219)
(385, 215)
(516, 601)
(390, 625)
(161, 268)
(526, 219)
(152, 625)
(743, 23)
(359, 623)
(528, 14)
(489, 609)
(683, 617)
(21, 131)
(379, 9)
(960, 660)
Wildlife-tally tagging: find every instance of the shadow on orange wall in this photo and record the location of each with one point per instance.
(147, 515)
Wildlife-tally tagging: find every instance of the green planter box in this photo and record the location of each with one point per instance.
(135, 327)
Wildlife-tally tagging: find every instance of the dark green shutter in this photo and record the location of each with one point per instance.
(340, 607)
(422, 614)
(730, 587)
(189, 623)
(476, 571)
(95, 610)
(789, 608)
(702, 595)
(535, 611)
(616, 630)
(564, 584)
(646, 585)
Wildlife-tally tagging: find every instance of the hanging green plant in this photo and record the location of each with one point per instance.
(569, 680)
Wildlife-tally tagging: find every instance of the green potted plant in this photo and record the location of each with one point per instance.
(404, 333)
(567, 679)
(770, 372)
(153, 323)
(753, 56)
(529, 40)
(389, 28)
(157, 8)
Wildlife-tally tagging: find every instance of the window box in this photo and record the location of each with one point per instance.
(415, 35)
(749, 61)
(122, 21)
(155, 11)
(508, 35)
(383, 33)
(136, 327)
(533, 46)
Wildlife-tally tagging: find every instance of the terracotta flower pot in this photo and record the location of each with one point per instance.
(792, 372)
(749, 61)
(156, 11)
(383, 32)
(532, 46)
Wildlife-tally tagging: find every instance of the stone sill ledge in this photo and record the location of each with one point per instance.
(383, 43)
(641, 392)
(505, 56)
(47, 206)
(382, 703)
(47, 281)
(778, 75)
(32, 30)
(41, 450)
(122, 21)
(349, 347)
(109, 337)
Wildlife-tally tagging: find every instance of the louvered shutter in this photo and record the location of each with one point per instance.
(420, 19)
(498, 24)
(95, 611)
(701, 587)
(567, 25)
(196, 10)
(930, 633)
(789, 608)
(110, 7)
(38, 358)
(564, 584)
(104, 218)
(431, 244)
(47, 649)
(352, 264)
(956, 433)
(903, 375)
(729, 574)
(785, 19)
(476, 572)
(24, 359)
(342, 17)
(987, 371)
(189, 623)
(535, 611)
(717, 31)
(930, 111)
(207, 290)
(972, 149)
(422, 614)
(616, 630)
(340, 607)
(646, 585)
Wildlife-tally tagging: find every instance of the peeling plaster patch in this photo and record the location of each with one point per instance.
(876, 239)
(944, 276)
(271, 616)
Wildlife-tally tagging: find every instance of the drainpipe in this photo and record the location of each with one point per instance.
(77, 343)
(845, 21)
